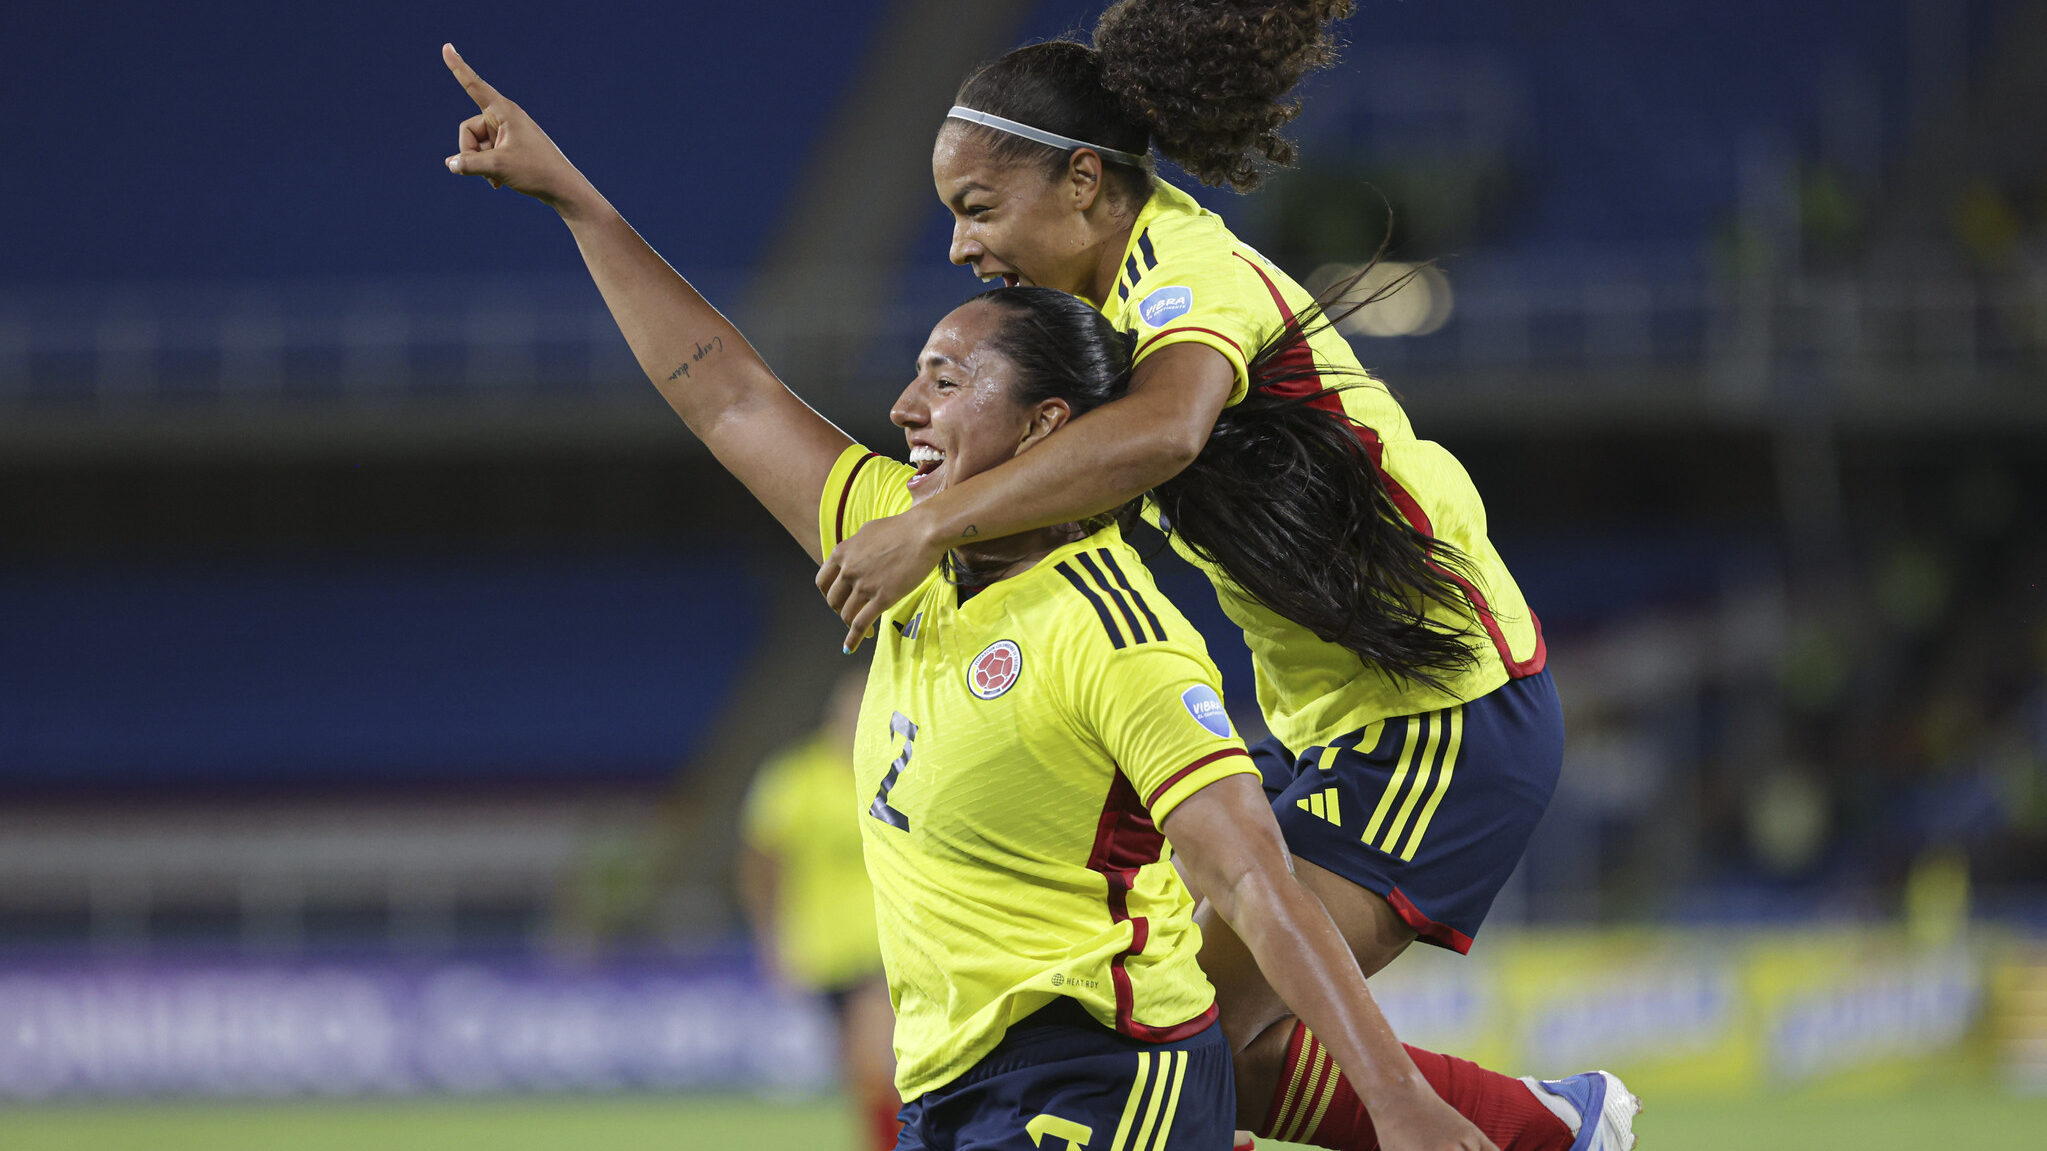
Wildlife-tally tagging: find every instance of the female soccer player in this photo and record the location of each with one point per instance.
(803, 886)
(1036, 716)
(1415, 735)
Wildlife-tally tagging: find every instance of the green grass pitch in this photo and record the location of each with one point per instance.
(1950, 1119)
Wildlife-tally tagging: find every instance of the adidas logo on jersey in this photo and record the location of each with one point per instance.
(1324, 804)
(908, 630)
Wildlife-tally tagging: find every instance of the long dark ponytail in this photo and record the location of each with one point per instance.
(1206, 81)
(1287, 499)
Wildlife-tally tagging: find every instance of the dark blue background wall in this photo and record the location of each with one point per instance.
(151, 141)
(367, 670)
(168, 142)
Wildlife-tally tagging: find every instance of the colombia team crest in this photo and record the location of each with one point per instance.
(994, 671)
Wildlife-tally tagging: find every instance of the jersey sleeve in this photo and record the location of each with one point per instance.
(1157, 709)
(862, 486)
(1206, 297)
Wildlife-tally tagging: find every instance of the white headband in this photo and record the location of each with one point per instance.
(1054, 139)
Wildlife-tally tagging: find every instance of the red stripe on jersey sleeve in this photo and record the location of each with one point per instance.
(845, 493)
(1181, 774)
(1154, 338)
(1301, 356)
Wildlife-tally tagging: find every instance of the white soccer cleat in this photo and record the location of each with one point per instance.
(1594, 1104)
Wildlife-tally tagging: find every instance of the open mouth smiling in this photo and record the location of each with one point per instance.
(927, 460)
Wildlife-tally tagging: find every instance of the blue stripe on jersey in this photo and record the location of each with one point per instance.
(1074, 578)
(1151, 258)
(1122, 290)
(1122, 605)
(1109, 560)
(1130, 265)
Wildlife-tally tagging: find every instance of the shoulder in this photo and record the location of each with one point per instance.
(1187, 279)
(1102, 605)
(1136, 676)
(1181, 260)
(1112, 622)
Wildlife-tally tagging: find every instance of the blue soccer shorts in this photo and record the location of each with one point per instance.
(1059, 1081)
(1431, 811)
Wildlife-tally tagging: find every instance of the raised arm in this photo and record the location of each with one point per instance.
(772, 441)
(1100, 461)
(1226, 837)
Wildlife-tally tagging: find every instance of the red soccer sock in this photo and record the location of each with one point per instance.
(882, 1125)
(1314, 1102)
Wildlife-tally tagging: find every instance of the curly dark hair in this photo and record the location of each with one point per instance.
(1211, 77)
(1205, 80)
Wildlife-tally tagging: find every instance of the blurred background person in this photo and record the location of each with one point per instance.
(809, 906)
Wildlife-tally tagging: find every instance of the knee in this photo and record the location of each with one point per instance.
(1259, 1056)
(1258, 1065)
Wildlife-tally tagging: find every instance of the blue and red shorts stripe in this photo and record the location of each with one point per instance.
(1431, 811)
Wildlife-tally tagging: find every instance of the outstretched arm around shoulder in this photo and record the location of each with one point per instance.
(1100, 461)
(776, 445)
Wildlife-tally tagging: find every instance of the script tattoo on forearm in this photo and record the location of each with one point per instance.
(681, 371)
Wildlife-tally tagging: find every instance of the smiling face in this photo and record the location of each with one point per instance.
(960, 414)
(1011, 220)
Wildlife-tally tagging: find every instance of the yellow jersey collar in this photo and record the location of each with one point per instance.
(981, 606)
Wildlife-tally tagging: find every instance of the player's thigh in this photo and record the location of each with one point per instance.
(1257, 1021)
(1375, 932)
(1246, 1003)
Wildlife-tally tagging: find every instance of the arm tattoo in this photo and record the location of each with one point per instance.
(681, 371)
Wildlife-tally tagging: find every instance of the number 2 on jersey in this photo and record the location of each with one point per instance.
(899, 724)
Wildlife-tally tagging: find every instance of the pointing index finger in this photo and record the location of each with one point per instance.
(471, 83)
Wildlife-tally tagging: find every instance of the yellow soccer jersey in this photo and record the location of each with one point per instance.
(1015, 756)
(1186, 279)
(798, 810)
